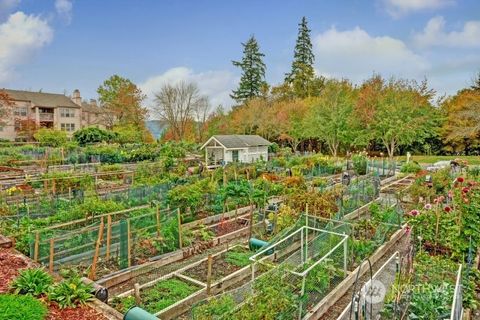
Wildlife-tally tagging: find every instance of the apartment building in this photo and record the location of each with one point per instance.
(47, 110)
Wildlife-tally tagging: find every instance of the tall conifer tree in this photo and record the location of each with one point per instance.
(302, 75)
(253, 68)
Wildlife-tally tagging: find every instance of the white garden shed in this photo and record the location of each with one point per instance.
(221, 149)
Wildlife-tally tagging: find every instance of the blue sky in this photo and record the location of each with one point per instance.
(60, 45)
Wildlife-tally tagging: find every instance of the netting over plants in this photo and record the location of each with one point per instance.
(110, 242)
(287, 277)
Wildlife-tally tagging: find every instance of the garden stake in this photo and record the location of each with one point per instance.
(37, 239)
(179, 219)
(97, 251)
(209, 273)
(129, 244)
(109, 235)
(52, 244)
(158, 221)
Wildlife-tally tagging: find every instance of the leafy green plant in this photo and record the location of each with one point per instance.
(411, 167)
(238, 256)
(51, 137)
(34, 282)
(93, 135)
(20, 307)
(123, 304)
(214, 308)
(71, 292)
(166, 293)
(360, 163)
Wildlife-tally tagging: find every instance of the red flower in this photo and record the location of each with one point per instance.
(413, 213)
(447, 209)
(465, 190)
(460, 179)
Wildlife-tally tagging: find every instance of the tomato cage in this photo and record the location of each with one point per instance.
(308, 262)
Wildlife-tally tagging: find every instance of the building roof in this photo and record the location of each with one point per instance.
(92, 108)
(239, 141)
(41, 99)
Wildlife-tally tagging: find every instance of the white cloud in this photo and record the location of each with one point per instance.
(20, 37)
(398, 8)
(355, 54)
(217, 85)
(64, 9)
(434, 34)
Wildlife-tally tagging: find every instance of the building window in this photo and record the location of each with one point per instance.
(67, 113)
(69, 127)
(20, 111)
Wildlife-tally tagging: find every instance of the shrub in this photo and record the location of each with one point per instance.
(411, 167)
(71, 292)
(93, 135)
(129, 134)
(35, 282)
(21, 308)
(360, 163)
(51, 137)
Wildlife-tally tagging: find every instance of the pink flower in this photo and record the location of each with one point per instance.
(447, 209)
(413, 213)
(450, 194)
(471, 183)
(460, 179)
(441, 199)
(428, 206)
(407, 230)
(465, 200)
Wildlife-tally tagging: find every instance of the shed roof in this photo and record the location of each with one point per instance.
(239, 141)
(41, 99)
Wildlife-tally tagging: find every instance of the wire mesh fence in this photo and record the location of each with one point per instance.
(111, 243)
(287, 278)
(457, 305)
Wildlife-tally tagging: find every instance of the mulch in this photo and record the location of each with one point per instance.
(10, 264)
(79, 313)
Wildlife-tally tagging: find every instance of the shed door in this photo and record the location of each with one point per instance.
(235, 155)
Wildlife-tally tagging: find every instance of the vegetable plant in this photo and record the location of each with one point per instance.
(21, 307)
(71, 292)
(34, 282)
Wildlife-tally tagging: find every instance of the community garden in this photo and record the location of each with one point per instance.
(283, 239)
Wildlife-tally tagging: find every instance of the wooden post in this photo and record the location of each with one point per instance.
(129, 244)
(54, 189)
(63, 154)
(209, 273)
(251, 221)
(69, 192)
(179, 219)
(236, 212)
(52, 252)
(93, 270)
(37, 240)
(224, 178)
(158, 222)
(109, 235)
(136, 289)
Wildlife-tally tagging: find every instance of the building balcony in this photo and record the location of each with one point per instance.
(46, 116)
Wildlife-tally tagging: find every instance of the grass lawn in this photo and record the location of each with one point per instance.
(472, 160)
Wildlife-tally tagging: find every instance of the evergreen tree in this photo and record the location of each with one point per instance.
(302, 75)
(252, 81)
(476, 83)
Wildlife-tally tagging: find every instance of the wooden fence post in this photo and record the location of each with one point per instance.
(158, 222)
(136, 289)
(251, 221)
(52, 252)
(109, 235)
(179, 219)
(93, 270)
(129, 244)
(209, 273)
(37, 240)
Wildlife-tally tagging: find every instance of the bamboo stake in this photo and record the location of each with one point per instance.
(251, 221)
(109, 235)
(209, 273)
(179, 220)
(37, 240)
(52, 249)
(93, 270)
(158, 221)
(129, 244)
